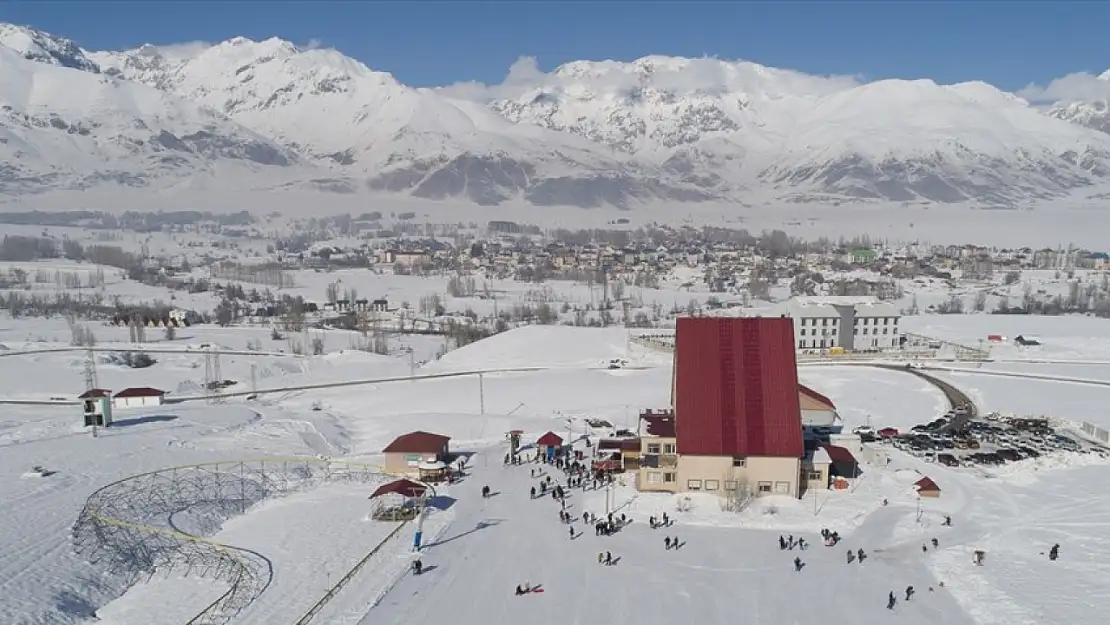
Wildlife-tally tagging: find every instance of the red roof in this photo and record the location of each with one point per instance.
(814, 395)
(887, 432)
(659, 425)
(927, 484)
(140, 391)
(406, 488)
(736, 387)
(839, 454)
(94, 392)
(418, 443)
(551, 439)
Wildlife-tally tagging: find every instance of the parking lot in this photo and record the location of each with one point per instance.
(960, 439)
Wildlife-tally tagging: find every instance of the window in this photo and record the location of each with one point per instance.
(814, 476)
(668, 448)
(712, 484)
(782, 487)
(764, 487)
(654, 477)
(730, 484)
(693, 484)
(412, 459)
(669, 478)
(801, 344)
(739, 462)
(653, 448)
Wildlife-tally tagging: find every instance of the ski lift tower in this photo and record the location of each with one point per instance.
(212, 376)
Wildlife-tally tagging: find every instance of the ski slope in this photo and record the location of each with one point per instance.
(729, 569)
(717, 575)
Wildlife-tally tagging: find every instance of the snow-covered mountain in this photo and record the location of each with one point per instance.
(66, 128)
(334, 109)
(1093, 114)
(586, 134)
(722, 125)
(36, 45)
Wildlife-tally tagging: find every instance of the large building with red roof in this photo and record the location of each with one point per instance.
(737, 412)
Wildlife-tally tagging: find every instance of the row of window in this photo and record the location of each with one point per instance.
(827, 321)
(655, 477)
(656, 448)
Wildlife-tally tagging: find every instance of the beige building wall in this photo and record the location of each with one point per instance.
(663, 478)
(717, 474)
(405, 464)
(815, 475)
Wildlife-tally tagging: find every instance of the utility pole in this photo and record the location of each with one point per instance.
(254, 378)
(482, 392)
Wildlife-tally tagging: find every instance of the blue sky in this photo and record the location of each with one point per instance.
(1009, 44)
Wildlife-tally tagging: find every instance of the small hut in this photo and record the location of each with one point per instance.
(395, 501)
(549, 445)
(432, 471)
(926, 487)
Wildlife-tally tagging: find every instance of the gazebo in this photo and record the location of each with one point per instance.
(394, 501)
(432, 470)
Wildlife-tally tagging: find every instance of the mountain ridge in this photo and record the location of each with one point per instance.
(592, 133)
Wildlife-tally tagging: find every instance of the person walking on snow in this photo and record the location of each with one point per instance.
(851, 556)
(802, 544)
(667, 542)
(924, 549)
(860, 555)
(936, 543)
(891, 600)
(1054, 552)
(909, 592)
(797, 564)
(608, 559)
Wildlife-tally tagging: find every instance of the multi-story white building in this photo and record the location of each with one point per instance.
(851, 323)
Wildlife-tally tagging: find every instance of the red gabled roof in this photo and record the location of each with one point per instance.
(814, 395)
(406, 488)
(95, 392)
(888, 432)
(927, 484)
(839, 454)
(140, 391)
(737, 387)
(418, 443)
(551, 439)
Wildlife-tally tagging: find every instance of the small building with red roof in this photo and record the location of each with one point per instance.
(817, 409)
(658, 451)
(549, 444)
(408, 452)
(926, 487)
(138, 397)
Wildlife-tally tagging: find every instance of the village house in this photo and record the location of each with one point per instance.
(138, 397)
(408, 453)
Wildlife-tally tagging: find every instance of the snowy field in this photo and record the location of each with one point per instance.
(1068, 221)
(313, 537)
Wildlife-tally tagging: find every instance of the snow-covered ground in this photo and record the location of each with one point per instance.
(481, 549)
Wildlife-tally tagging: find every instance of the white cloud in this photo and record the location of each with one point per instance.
(680, 75)
(314, 44)
(1078, 86)
(185, 50)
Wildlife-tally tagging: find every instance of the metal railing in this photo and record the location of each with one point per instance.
(115, 530)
